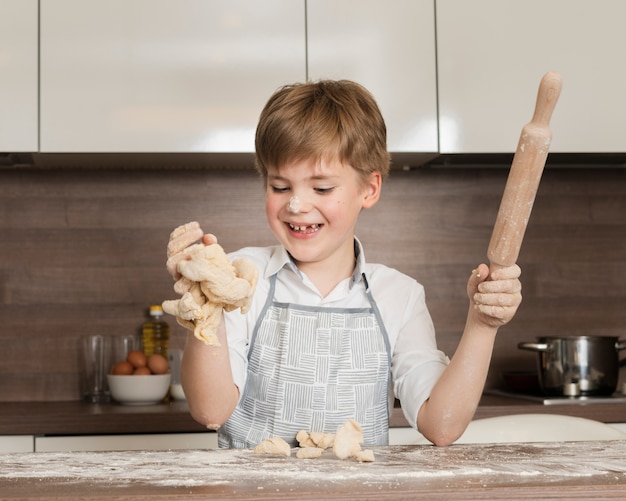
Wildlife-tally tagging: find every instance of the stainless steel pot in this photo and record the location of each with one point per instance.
(577, 365)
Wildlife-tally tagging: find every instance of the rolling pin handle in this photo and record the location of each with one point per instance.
(547, 96)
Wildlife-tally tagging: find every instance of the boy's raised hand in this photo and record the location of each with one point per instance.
(180, 239)
(494, 295)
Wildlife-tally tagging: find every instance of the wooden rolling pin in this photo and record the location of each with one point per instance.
(524, 176)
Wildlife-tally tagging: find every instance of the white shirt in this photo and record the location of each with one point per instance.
(416, 363)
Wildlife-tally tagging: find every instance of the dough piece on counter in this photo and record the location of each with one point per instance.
(323, 440)
(348, 440)
(365, 456)
(210, 284)
(274, 446)
(315, 439)
(309, 452)
(346, 443)
(304, 439)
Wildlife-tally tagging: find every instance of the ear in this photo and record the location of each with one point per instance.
(371, 192)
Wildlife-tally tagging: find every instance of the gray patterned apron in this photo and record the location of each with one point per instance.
(313, 368)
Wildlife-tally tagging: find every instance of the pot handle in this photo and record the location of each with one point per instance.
(535, 346)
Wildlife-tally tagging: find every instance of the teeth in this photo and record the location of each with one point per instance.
(313, 227)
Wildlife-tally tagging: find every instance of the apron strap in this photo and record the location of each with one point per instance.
(268, 303)
(383, 329)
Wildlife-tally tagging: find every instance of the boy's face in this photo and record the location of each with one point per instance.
(318, 227)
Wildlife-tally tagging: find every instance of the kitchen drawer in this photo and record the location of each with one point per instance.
(135, 442)
(17, 443)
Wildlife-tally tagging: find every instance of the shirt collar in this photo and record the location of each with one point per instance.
(281, 259)
(359, 269)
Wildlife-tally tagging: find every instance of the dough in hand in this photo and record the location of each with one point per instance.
(274, 446)
(210, 284)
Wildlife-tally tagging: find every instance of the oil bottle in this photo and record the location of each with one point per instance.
(155, 333)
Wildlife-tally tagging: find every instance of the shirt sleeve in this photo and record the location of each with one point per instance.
(236, 329)
(239, 327)
(417, 363)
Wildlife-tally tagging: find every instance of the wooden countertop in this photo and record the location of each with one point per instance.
(78, 418)
(581, 470)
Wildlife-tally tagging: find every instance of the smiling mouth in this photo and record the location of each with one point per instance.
(305, 229)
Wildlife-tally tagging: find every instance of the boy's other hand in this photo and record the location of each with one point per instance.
(495, 295)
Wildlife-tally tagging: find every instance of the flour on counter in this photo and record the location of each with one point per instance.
(209, 467)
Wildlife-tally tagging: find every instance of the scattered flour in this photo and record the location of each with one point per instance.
(393, 464)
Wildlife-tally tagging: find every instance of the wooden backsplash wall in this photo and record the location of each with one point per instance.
(83, 251)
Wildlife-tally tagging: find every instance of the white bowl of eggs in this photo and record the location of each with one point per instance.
(139, 380)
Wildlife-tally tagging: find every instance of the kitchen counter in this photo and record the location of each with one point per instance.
(78, 418)
(572, 470)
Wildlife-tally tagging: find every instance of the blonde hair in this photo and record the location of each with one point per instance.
(328, 119)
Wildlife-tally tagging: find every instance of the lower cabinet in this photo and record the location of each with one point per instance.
(405, 436)
(17, 443)
(619, 426)
(138, 442)
(157, 442)
(482, 434)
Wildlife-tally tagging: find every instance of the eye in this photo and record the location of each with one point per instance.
(280, 189)
(323, 191)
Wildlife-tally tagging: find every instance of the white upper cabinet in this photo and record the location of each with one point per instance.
(163, 75)
(493, 53)
(18, 75)
(388, 47)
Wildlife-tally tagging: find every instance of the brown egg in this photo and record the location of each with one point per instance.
(142, 371)
(123, 368)
(157, 364)
(137, 358)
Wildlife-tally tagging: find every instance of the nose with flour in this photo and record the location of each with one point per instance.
(293, 205)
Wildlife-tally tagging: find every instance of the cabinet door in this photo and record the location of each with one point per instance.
(163, 75)
(493, 53)
(389, 47)
(18, 75)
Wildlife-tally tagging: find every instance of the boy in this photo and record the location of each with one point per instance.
(329, 337)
